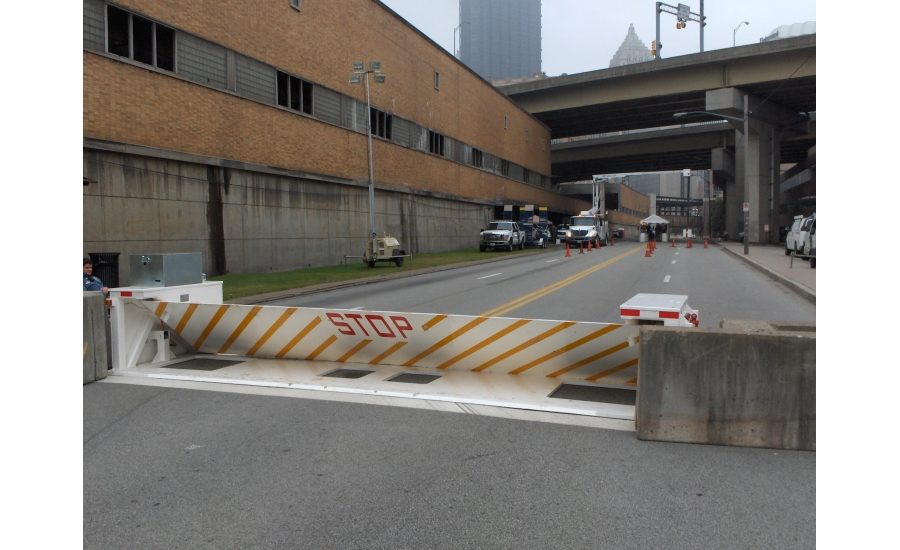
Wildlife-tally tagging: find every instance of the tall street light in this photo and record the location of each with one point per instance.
(361, 74)
(746, 122)
(734, 34)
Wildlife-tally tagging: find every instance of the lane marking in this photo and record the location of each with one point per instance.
(673, 261)
(551, 261)
(667, 279)
(357, 308)
(500, 310)
(489, 276)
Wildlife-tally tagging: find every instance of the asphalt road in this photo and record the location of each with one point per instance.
(583, 287)
(166, 467)
(175, 468)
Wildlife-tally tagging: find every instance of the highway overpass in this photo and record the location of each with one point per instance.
(622, 119)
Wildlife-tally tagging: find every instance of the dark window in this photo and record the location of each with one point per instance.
(140, 39)
(165, 48)
(294, 93)
(437, 80)
(380, 123)
(477, 158)
(117, 25)
(435, 143)
(504, 167)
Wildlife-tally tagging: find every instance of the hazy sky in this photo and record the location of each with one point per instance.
(583, 35)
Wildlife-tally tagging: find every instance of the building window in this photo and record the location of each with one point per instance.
(294, 93)
(435, 143)
(380, 123)
(477, 158)
(437, 80)
(505, 122)
(504, 167)
(141, 39)
(295, 4)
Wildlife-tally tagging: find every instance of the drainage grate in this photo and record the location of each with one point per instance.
(202, 363)
(615, 396)
(408, 378)
(347, 373)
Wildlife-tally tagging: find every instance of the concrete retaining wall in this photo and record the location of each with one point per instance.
(747, 384)
(95, 352)
(246, 221)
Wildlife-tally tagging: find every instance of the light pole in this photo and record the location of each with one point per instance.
(746, 122)
(360, 74)
(734, 35)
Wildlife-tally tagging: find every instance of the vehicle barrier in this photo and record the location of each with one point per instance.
(671, 310)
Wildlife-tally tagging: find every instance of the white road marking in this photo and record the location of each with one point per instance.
(551, 261)
(673, 261)
(487, 276)
(357, 308)
(667, 279)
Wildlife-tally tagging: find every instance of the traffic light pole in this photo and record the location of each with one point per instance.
(684, 14)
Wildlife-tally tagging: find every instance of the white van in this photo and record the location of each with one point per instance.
(796, 238)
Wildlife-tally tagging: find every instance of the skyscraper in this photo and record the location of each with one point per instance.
(501, 39)
(631, 51)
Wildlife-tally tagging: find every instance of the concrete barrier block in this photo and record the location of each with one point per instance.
(95, 351)
(749, 383)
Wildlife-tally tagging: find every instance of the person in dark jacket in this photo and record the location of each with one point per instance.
(92, 283)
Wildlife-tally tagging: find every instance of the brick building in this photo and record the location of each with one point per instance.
(232, 129)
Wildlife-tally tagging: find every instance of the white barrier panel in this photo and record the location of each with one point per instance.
(564, 350)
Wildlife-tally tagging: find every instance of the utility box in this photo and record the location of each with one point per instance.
(174, 269)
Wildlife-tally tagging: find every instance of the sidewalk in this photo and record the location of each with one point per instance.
(770, 259)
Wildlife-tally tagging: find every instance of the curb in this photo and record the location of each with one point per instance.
(293, 293)
(803, 291)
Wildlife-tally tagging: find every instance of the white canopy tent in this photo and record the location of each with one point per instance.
(654, 220)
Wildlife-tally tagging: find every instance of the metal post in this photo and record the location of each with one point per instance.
(702, 24)
(746, 172)
(658, 44)
(372, 232)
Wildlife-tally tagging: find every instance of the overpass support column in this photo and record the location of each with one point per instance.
(759, 180)
(723, 166)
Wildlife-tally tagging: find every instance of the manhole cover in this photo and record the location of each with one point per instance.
(202, 363)
(409, 378)
(347, 373)
(615, 396)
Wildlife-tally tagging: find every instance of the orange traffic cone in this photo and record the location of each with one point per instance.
(568, 254)
(590, 245)
(647, 252)
(706, 243)
(673, 243)
(690, 245)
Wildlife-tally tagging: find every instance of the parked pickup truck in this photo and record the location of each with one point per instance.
(502, 234)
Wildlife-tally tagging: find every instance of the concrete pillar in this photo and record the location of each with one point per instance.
(757, 180)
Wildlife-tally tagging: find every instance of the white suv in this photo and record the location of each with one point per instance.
(795, 241)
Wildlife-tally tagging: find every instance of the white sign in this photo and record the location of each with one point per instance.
(746, 207)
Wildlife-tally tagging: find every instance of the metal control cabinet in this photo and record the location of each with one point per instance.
(152, 270)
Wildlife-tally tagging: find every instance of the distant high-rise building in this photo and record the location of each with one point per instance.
(631, 51)
(500, 39)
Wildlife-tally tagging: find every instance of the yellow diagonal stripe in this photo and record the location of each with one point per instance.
(275, 326)
(239, 329)
(387, 353)
(562, 326)
(485, 342)
(607, 372)
(161, 308)
(446, 340)
(568, 347)
(322, 347)
(433, 321)
(299, 336)
(353, 351)
(211, 325)
(588, 360)
(186, 317)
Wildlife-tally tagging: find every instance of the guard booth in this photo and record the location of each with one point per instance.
(660, 227)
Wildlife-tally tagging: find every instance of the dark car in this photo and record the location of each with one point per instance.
(533, 235)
